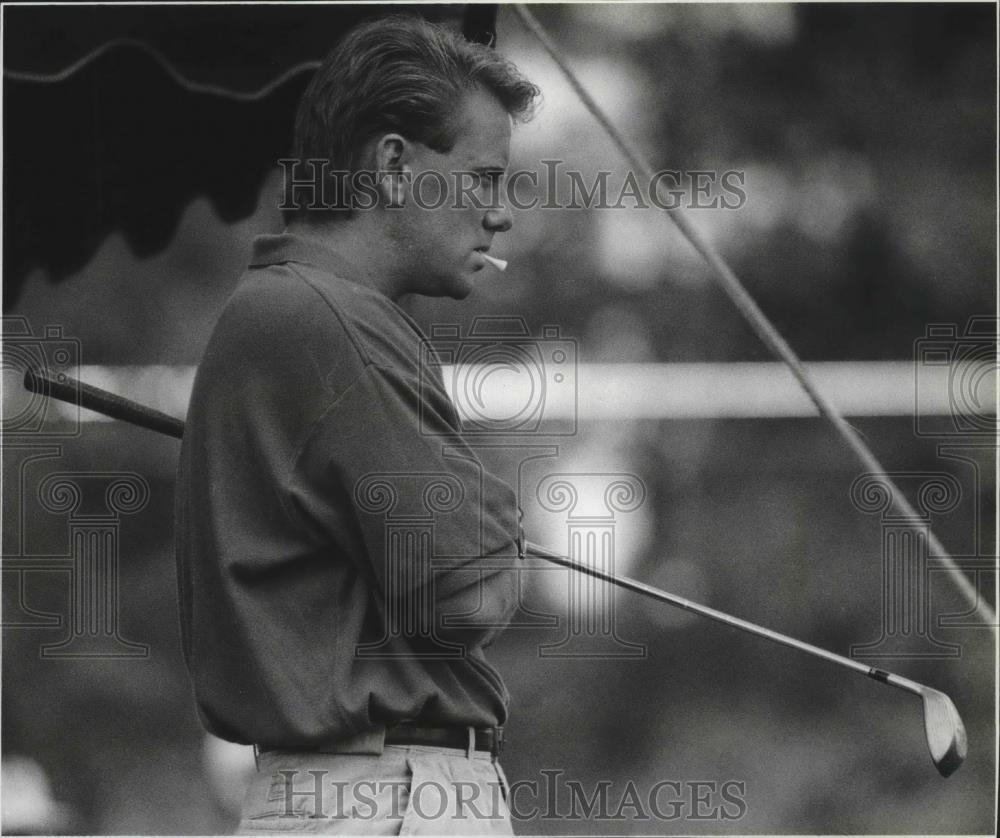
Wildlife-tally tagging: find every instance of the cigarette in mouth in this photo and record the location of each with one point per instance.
(499, 264)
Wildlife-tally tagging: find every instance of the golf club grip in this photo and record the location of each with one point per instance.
(70, 390)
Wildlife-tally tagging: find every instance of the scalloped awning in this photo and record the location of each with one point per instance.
(117, 117)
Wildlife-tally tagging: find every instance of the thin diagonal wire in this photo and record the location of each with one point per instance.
(746, 305)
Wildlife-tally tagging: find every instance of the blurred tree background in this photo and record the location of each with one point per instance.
(867, 137)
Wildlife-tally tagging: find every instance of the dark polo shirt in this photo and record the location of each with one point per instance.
(329, 517)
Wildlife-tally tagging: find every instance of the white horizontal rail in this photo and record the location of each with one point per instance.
(593, 392)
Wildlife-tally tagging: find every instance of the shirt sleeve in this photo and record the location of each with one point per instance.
(387, 478)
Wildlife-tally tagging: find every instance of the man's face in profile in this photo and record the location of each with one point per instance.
(455, 204)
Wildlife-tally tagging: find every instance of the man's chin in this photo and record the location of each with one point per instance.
(461, 290)
(456, 287)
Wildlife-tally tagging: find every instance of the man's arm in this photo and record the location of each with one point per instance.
(433, 530)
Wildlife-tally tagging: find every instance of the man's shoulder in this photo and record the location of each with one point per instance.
(301, 302)
(381, 332)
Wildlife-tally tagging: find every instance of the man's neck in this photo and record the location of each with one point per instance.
(363, 248)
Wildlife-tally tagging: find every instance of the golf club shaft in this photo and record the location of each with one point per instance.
(649, 591)
(70, 390)
(118, 407)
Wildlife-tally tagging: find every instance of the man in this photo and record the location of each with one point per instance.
(345, 647)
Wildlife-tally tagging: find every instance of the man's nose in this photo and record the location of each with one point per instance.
(498, 219)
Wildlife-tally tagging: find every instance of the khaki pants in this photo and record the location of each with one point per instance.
(369, 788)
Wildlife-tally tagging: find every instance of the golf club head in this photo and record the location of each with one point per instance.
(946, 737)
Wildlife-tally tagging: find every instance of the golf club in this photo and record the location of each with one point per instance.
(75, 392)
(946, 737)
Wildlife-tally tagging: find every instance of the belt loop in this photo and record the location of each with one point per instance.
(256, 755)
(497, 742)
(471, 749)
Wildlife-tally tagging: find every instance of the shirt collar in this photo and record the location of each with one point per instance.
(290, 247)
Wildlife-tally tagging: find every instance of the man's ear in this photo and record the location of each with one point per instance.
(392, 153)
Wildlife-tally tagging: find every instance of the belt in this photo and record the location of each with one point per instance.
(489, 740)
(486, 739)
